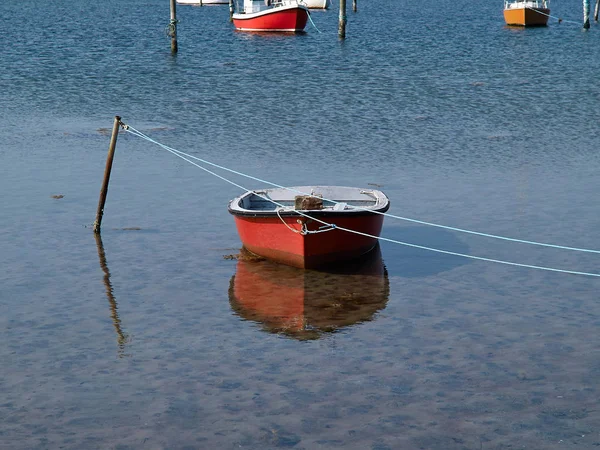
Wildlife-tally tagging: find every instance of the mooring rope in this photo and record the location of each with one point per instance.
(185, 157)
(303, 229)
(560, 20)
(171, 29)
(311, 21)
(393, 216)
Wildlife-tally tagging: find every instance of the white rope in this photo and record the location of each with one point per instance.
(393, 216)
(300, 231)
(333, 226)
(179, 155)
(552, 17)
(311, 21)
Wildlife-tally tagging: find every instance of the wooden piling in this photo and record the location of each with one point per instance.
(109, 161)
(586, 14)
(173, 27)
(231, 10)
(342, 21)
(596, 10)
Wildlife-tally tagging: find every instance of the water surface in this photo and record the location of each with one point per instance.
(136, 341)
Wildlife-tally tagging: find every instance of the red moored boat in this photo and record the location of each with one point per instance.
(265, 15)
(310, 226)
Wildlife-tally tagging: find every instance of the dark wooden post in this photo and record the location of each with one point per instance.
(173, 28)
(586, 14)
(231, 10)
(109, 161)
(342, 21)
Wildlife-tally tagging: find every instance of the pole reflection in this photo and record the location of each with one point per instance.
(306, 304)
(122, 337)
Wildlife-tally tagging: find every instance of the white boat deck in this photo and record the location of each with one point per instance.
(256, 203)
(335, 198)
(255, 6)
(525, 4)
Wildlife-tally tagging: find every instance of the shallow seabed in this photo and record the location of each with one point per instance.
(154, 336)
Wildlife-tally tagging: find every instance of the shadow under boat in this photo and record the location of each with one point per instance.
(305, 304)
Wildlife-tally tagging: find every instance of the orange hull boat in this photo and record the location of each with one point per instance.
(334, 224)
(531, 13)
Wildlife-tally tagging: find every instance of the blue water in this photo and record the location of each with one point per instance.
(140, 339)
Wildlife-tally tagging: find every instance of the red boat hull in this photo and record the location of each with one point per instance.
(275, 19)
(270, 238)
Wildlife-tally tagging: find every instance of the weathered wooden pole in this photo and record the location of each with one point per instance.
(342, 21)
(596, 10)
(586, 14)
(173, 28)
(354, 6)
(109, 161)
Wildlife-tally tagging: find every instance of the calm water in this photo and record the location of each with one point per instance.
(153, 337)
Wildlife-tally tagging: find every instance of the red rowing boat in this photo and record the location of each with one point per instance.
(280, 15)
(310, 226)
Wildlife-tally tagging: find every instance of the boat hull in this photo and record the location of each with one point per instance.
(268, 237)
(286, 18)
(527, 17)
(304, 238)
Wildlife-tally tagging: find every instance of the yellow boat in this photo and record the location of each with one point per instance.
(528, 13)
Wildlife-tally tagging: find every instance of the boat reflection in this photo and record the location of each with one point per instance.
(122, 337)
(305, 304)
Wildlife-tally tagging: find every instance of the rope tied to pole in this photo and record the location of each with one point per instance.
(330, 226)
(559, 19)
(420, 222)
(311, 21)
(171, 29)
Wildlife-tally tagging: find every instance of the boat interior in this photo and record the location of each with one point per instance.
(254, 6)
(259, 202)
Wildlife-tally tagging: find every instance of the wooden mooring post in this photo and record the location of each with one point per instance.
(586, 14)
(173, 27)
(109, 161)
(342, 21)
(231, 10)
